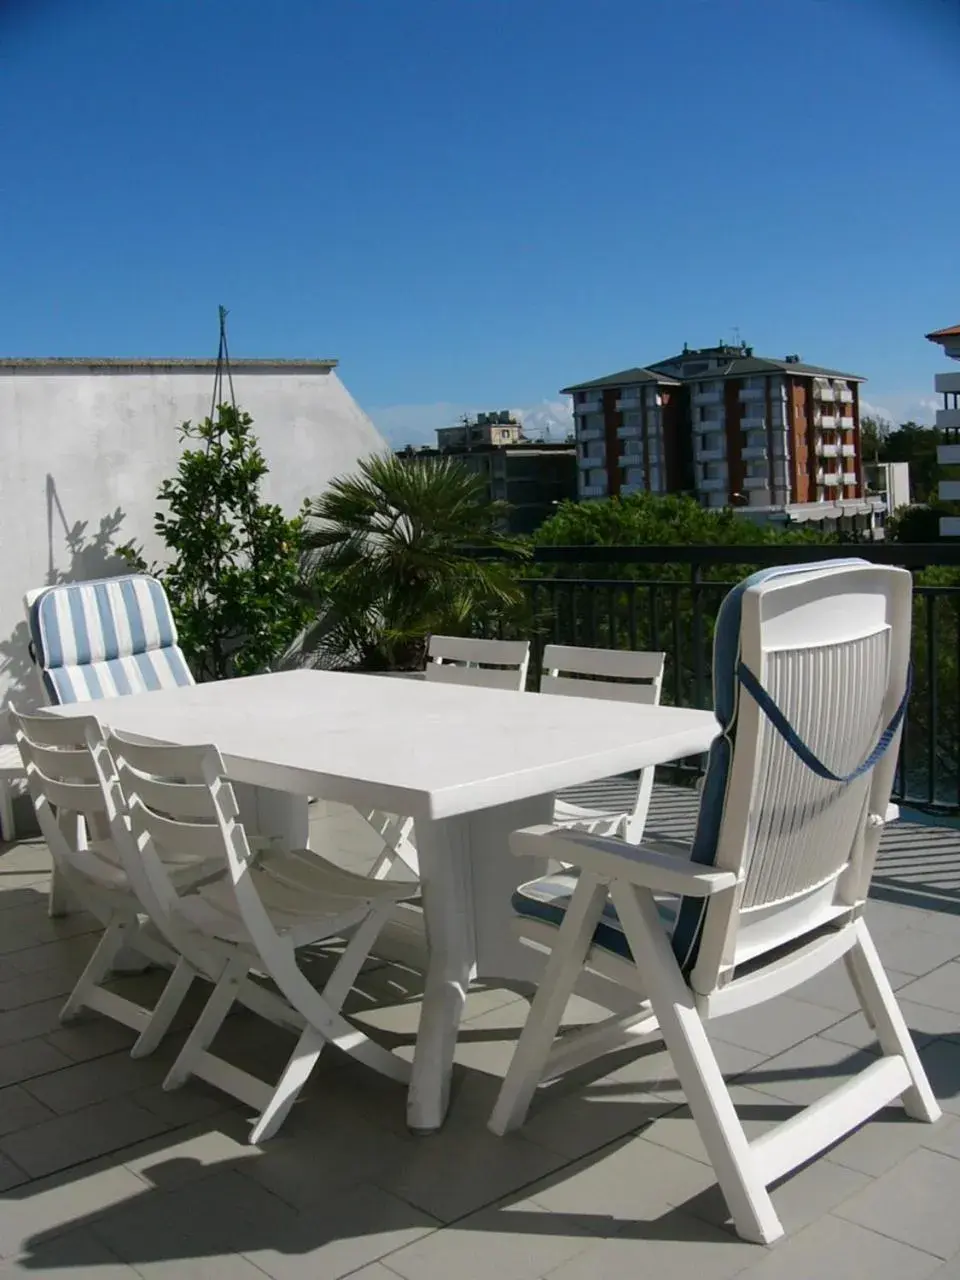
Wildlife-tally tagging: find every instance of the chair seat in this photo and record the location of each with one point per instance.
(547, 899)
(101, 862)
(567, 814)
(306, 897)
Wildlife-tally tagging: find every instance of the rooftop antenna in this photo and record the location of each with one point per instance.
(737, 341)
(223, 364)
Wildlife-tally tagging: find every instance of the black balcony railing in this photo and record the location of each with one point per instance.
(666, 598)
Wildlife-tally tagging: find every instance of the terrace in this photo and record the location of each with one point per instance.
(105, 1175)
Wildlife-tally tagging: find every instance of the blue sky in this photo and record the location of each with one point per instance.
(472, 203)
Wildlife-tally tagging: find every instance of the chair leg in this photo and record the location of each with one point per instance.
(558, 980)
(295, 1076)
(97, 968)
(214, 1013)
(165, 1010)
(697, 1070)
(881, 1008)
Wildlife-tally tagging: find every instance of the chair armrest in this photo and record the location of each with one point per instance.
(656, 869)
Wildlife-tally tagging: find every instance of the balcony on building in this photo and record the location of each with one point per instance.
(848, 450)
(829, 478)
(594, 491)
(710, 452)
(948, 419)
(947, 384)
(826, 421)
(631, 398)
(593, 462)
(823, 391)
(845, 395)
(591, 433)
(755, 453)
(630, 431)
(850, 477)
(753, 422)
(713, 484)
(593, 405)
(750, 394)
(714, 395)
(756, 482)
(633, 486)
(631, 460)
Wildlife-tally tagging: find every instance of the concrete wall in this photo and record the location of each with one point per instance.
(85, 446)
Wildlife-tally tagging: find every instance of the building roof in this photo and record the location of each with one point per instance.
(736, 366)
(939, 334)
(626, 378)
(37, 363)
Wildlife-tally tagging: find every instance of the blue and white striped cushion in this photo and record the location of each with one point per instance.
(106, 638)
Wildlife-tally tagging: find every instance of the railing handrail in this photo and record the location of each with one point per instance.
(910, 555)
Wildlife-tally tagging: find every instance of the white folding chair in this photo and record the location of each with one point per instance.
(616, 675)
(486, 664)
(251, 923)
(68, 799)
(810, 665)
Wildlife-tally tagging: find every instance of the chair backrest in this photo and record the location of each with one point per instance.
(63, 786)
(829, 645)
(105, 638)
(617, 674)
(179, 804)
(490, 664)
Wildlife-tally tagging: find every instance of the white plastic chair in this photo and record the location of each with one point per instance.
(486, 664)
(250, 923)
(489, 664)
(67, 796)
(810, 665)
(616, 675)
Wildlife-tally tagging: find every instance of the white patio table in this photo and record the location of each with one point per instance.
(470, 765)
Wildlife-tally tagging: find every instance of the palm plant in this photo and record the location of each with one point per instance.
(385, 562)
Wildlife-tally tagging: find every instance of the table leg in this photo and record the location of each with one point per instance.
(279, 815)
(444, 851)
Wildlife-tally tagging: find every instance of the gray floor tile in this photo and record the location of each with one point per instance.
(30, 988)
(346, 1232)
(28, 1058)
(941, 988)
(70, 954)
(460, 1171)
(925, 1022)
(809, 1070)
(19, 1109)
(916, 951)
(915, 1203)
(775, 1026)
(833, 989)
(77, 1255)
(944, 1136)
(32, 1020)
(82, 1135)
(47, 1208)
(520, 1241)
(635, 1182)
(674, 1247)
(11, 1175)
(889, 1137)
(84, 1083)
(171, 1161)
(833, 1247)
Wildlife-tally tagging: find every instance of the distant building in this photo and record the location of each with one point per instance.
(533, 476)
(948, 420)
(777, 439)
(889, 481)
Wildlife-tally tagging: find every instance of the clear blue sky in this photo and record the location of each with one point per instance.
(475, 202)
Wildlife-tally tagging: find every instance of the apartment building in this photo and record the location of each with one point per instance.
(532, 476)
(778, 439)
(948, 420)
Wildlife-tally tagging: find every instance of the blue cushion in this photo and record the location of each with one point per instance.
(105, 638)
(547, 900)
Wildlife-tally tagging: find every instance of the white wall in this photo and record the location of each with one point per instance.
(84, 448)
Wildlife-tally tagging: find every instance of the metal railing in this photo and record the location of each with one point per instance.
(667, 598)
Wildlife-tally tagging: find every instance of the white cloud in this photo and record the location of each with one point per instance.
(403, 424)
(901, 406)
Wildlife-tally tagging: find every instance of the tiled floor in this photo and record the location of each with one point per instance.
(104, 1175)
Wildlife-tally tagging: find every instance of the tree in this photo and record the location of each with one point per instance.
(233, 580)
(385, 562)
(874, 433)
(917, 446)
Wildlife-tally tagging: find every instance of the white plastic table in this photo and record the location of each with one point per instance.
(470, 765)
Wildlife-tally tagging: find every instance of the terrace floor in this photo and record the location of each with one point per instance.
(104, 1175)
